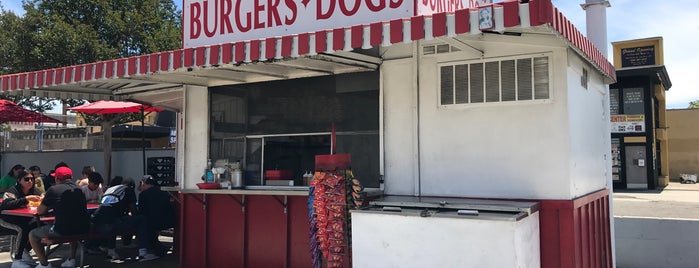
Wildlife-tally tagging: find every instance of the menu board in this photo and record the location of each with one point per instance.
(638, 56)
(633, 101)
(613, 101)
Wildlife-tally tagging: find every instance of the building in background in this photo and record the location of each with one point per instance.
(637, 109)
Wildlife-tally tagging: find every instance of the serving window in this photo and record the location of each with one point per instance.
(282, 125)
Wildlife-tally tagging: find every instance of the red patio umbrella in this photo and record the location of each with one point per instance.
(117, 107)
(11, 112)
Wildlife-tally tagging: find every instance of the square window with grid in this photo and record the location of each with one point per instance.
(506, 80)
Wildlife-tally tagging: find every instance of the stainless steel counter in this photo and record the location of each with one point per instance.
(262, 190)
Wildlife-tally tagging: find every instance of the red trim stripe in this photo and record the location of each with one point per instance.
(188, 57)
(120, 68)
(153, 62)
(254, 50)
(22, 79)
(304, 43)
(68, 74)
(40, 79)
(227, 53)
(59, 76)
(338, 38)
(270, 47)
(49, 76)
(78, 77)
(375, 30)
(287, 42)
(200, 56)
(511, 13)
(132, 66)
(396, 27)
(164, 60)
(213, 54)
(439, 24)
(357, 32)
(321, 42)
(88, 72)
(31, 77)
(417, 28)
(239, 51)
(142, 64)
(177, 59)
(461, 21)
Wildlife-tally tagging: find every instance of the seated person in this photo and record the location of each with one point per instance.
(85, 178)
(38, 178)
(93, 190)
(113, 217)
(17, 197)
(10, 179)
(70, 212)
(155, 206)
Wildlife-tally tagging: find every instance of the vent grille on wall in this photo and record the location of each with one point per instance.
(493, 81)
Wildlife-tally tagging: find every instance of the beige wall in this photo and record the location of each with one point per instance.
(683, 141)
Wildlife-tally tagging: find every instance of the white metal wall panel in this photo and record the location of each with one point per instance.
(399, 134)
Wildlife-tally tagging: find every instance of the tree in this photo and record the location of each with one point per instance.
(693, 104)
(57, 33)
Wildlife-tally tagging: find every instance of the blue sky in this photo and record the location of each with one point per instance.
(677, 22)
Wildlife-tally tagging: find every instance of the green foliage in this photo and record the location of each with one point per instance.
(57, 33)
(693, 104)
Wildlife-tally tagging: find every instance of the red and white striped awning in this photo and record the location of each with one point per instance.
(149, 72)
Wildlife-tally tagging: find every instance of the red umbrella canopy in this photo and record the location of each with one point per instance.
(11, 112)
(114, 107)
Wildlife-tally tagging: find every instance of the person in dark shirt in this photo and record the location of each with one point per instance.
(70, 211)
(51, 178)
(155, 206)
(117, 214)
(20, 196)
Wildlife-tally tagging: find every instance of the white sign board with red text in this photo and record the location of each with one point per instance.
(209, 22)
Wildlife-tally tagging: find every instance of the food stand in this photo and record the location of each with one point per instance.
(430, 100)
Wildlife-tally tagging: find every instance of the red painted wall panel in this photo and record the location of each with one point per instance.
(192, 241)
(575, 233)
(266, 243)
(263, 235)
(298, 250)
(224, 231)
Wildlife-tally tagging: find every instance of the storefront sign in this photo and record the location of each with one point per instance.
(638, 56)
(628, 123)
(426, 7)
(209, 22)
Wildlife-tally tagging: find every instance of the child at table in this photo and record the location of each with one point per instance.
(20, 196)
(93, 190)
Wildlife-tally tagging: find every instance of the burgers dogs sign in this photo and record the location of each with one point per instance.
(209, 22)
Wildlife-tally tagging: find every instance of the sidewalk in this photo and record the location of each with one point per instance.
(128, 257)
(675, 201)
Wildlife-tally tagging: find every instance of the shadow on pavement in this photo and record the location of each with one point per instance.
(127, 254)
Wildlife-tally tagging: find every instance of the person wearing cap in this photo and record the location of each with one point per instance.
(155, 206)
(71, 218)
(51, 178)
(9, 179)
